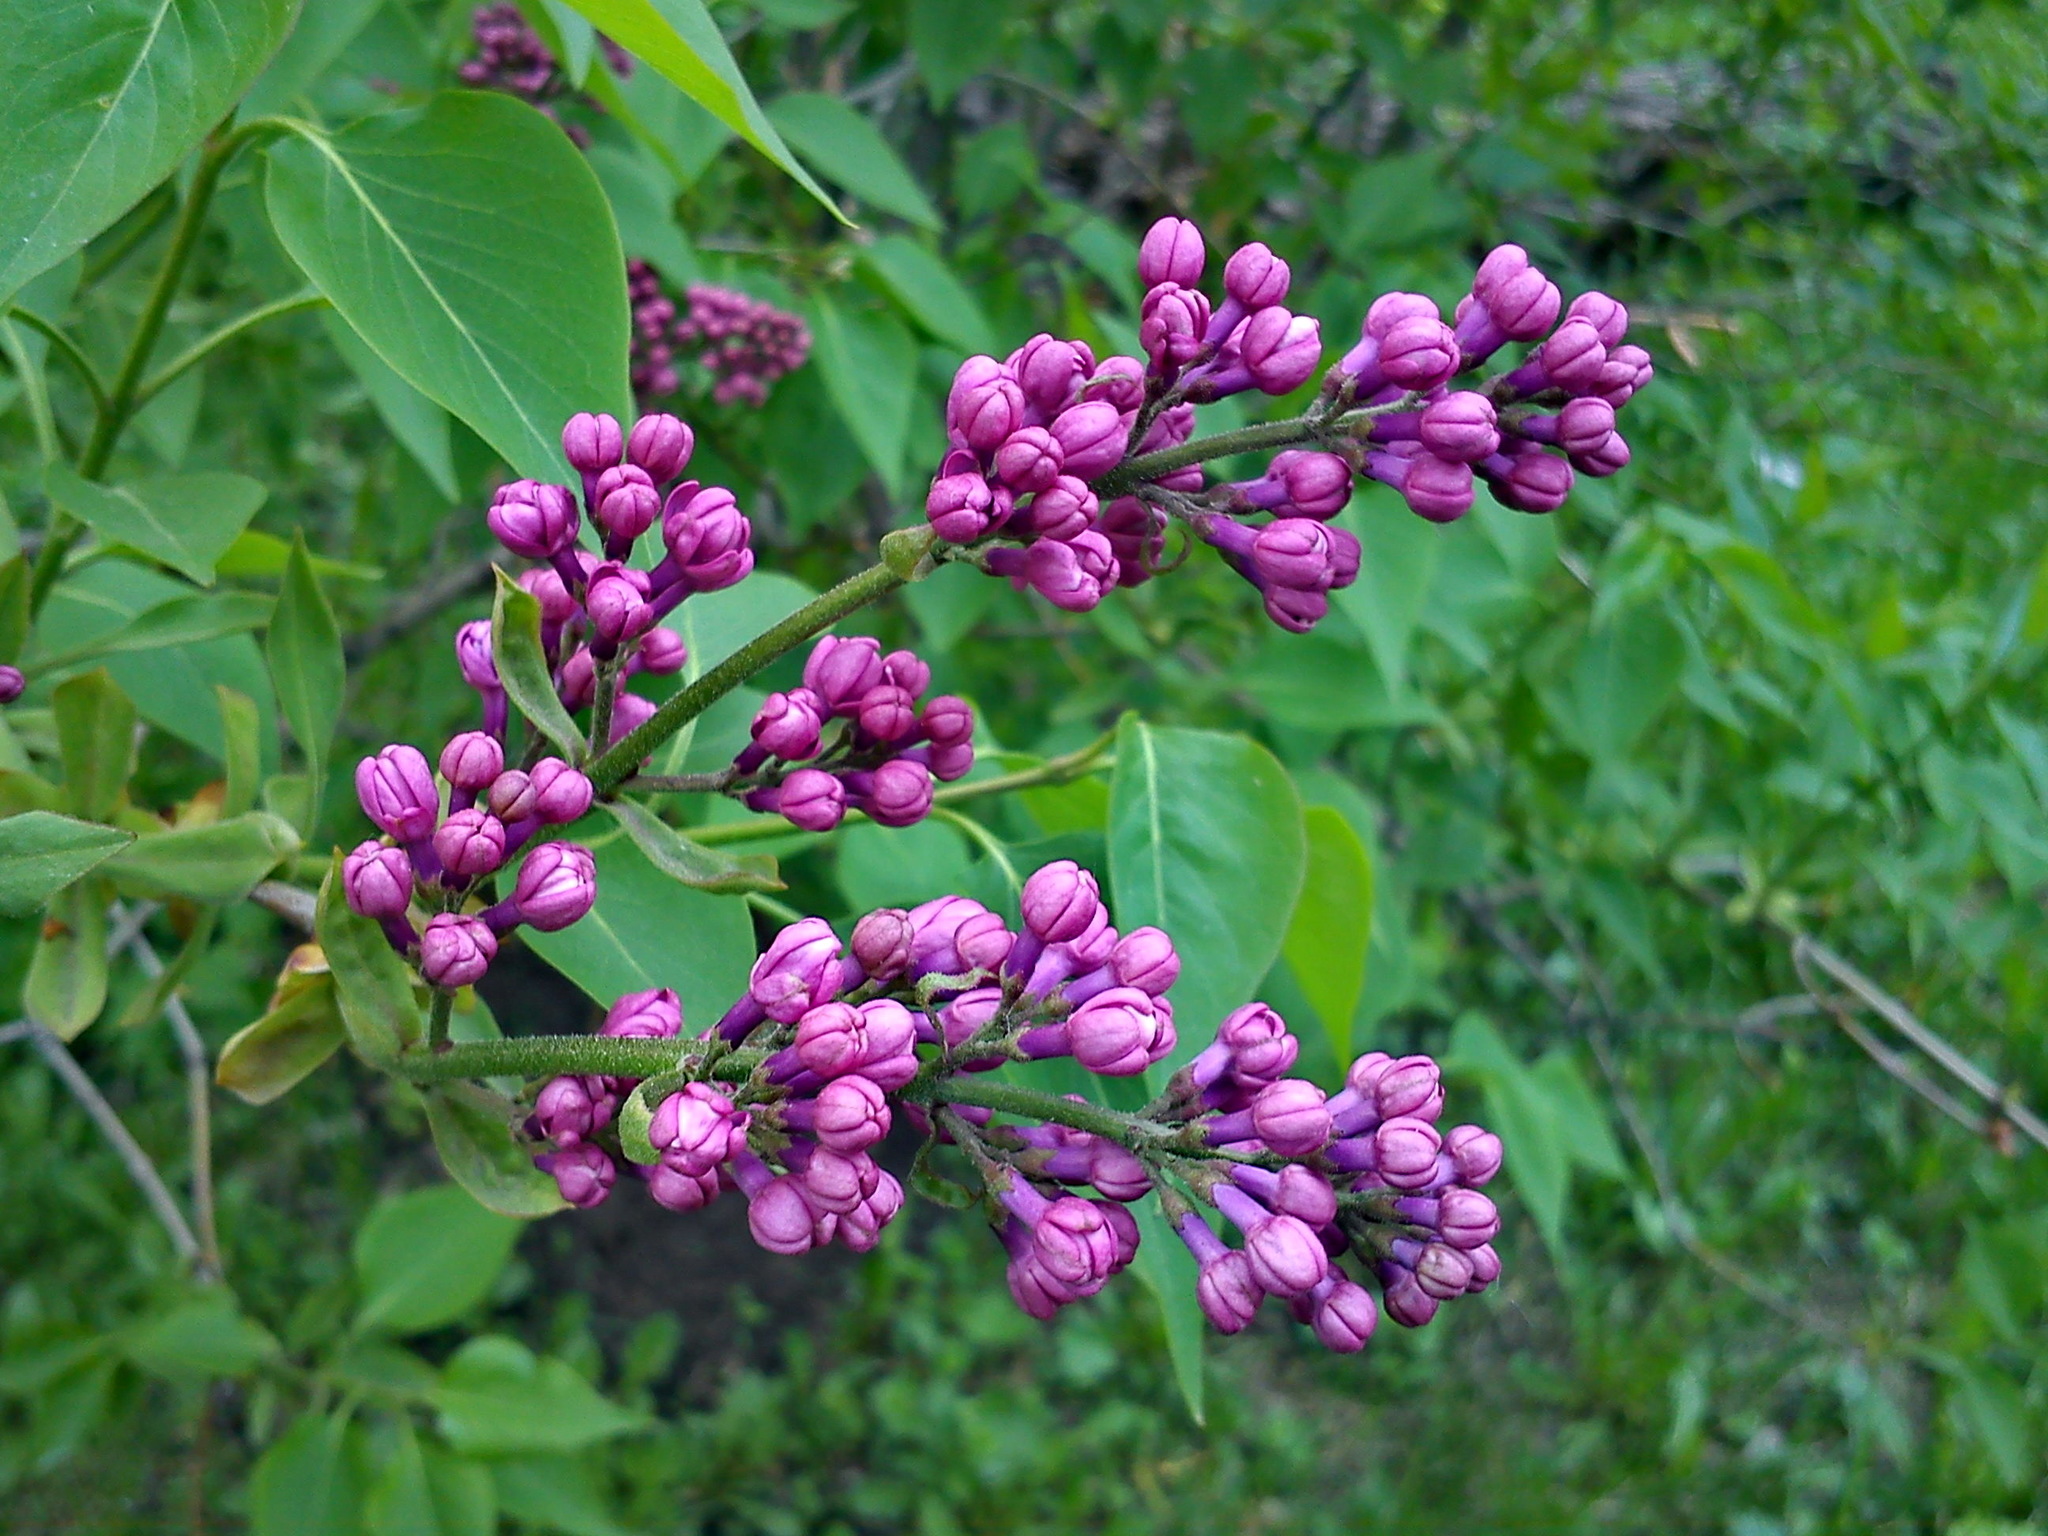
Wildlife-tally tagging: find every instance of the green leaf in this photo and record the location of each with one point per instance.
(496, 1398)
(306, 666)
(242, 754)
(41, 853)
(306, 1483)
(869, 362)
(420, 425)
(925, 286)
(96, 737)
(1589, 1139)
(187, 619)
(220, 862)
(319, 37)
(953, 43)
(1537, 1161)
(67, 975)
(642, 194)
(372, 985)
(16, 579)
(556, 1493)
(646, 931)
(1331, 930)
(1994, 1409)
(1394, 581)
(186, 521)
(267, 1059)
(264, 556)
(1627, 672)
(681, 41)
(208, 1335)
(842, 143)
(679, 857)
(1205, 841)
(424, 1258)
(523, 667)
(1168, 1271)
(471, 247)
(472, 1130)
(1766, 597)
(465, 1498)
(400, 1501)
(105, 101)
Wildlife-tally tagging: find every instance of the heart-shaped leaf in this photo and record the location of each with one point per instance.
(41, 853)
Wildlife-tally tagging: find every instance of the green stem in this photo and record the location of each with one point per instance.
(80, 363)
(437, 1018)
(1150, 466)
(899, 565)
(532, 1056)
(1033, 1104)
(207, 345)
(159, 205)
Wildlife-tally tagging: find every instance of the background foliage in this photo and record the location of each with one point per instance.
(1659, 795)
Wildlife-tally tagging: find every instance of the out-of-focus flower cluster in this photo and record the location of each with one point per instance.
(511, 57)
(889, 745)
(417, 880)
(742, 343)
(786, 1098)
(1065, 473)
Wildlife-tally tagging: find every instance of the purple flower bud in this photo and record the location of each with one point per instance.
(787, 724)
(618, 609)
(1345, 554)
(1291, 1118)
(1118, 1033)
(1074, 1242)
(533, 520)
(1573, 356)
(583, 1174)
(1293, 552)
(470, 843)
(675, 1191)
(1524, 305)
(707, 537)
(511, 797)
(377, 880)
(1434, 488)
(852, 1114)
(887, 713)
(1584, 426)
(1048, 370)
(900, 793)
(561, 794)
(1226, 1292)
(1466, 1218)
(1528, 479)
(842, 668)
(881, 942)
(661, 445)
(1030, 459)
(564, 1113)
(1255, 277)
(557, 885)
(779, 1218)
(655, 1014)
(1295, 611)
(813, 799)
(1175, 321)
(1120, 383)
(1628, 370)
(1091, 437)
(626, 503)
(697, 1129)
(1390, 309)
(473, 654)
(1314, 484)
(832, 1039)
(1286, 1257)
(1442, 1271)
(962, 1018)
(1171, 252)
(1608, 317)
(1419, 353)
(1461, 428)
(947, 721)
(397, 792)
(1485, 1268)
(1144, 958)
(1304, 1194)
(1406, 1302)
(661, 651)
(1405, 1151)
(472, 760)
(799, 971)
(988, 413)
(1345, 1318)
(1060, 901)
(455, 951)
(1282, 350)
(1260, 1049)
(973, 374)
(983, 942)
(1062, 511)
(545, 584)
(592, 443)
(1475, 1151)
(12, 684)
(952, 762)
(1411, 1086)
(1117, 1173)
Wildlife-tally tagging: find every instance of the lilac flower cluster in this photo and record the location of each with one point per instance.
(1052, 480)
(434, 857)
(511, 57)
(787, 1096)
(745, 343)
(654, 318)
(882, 761)
(600, 616)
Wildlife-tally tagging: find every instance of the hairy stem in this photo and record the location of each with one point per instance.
(544, 1056)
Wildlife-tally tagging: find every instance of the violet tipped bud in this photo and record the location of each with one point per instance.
(887, 713)
(661, 651)
(788, 724)
(1419, 354)
(1405, 1151)
(472, 760)
(470, 844)
(557, 886)
(1226, 1292)
(544, 583)
(1462, 428)
(1119, 1033)
(1523, 302)
(987, 413)
(1528, 479)
(1390, 309)
(1171, 252)
(779, 1218)
(1257, 1042)
(1475, 1153)
(881, 942)
(1411, 1086)
(1607, 316)
(532, 520)
(1145, 958)
(1255, 277)
(799, 970)
(455, 950)
(655, 1014)
(1290, 1117)
(377, 880)
(661, 445)
(565, 1113)
(899, 794)
(1573, 356)
(1286, 1258)
(626, 503)
(584, 1175)
(592, 442)
(841, 668)
(812, 799)
(1345, 1317)
(1316, 485)
(397, 792)
(561, 794)
(1294, 552)
(13, 682)
(1282, 350)
(473, 654)
(1030, 459)
(1060, 901)
(851, 1114)
(1091, 437)
(1175, 321)
(511, 797)
(1466, 1218)
(947, 721)
(1048, 371)
(697, 1128)
(960, 507)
